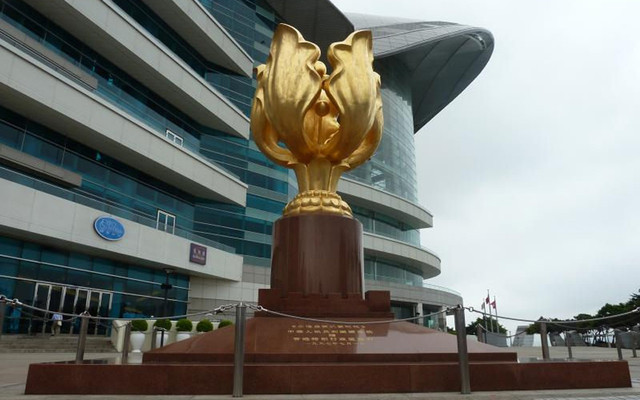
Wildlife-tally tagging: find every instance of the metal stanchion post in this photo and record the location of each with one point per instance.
(618, 337)
(634, 343)
(3, 307)
(238, 358)
(154, 332)
(162, 331)
(463, 355)
(125, 343)
(567, 339)
(545, 343)
(82, 337)
(479, 333)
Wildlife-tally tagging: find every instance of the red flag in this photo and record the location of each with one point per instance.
(487, 300)
(493, 304)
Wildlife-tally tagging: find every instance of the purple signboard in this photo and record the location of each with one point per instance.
(198, 254)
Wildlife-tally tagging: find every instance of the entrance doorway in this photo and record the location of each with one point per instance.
(70, 300)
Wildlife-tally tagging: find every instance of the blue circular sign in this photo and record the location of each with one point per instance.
(108, 228)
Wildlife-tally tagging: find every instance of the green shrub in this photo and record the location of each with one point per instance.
(139, 325)
(204, 326)
(224, 322)
(163, 323)
(184, 325)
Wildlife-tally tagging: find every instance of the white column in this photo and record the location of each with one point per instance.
(418, 311)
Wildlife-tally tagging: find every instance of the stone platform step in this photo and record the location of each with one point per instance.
(319, 378)
(53, 344)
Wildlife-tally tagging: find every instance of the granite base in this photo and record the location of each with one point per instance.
(285, 356)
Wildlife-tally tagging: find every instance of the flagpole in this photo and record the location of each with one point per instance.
(495, 307)
(484, 315)
(490, 314)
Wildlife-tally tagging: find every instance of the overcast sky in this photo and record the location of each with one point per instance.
(533, 172)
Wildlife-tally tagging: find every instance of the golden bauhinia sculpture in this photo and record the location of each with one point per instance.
(328, 124)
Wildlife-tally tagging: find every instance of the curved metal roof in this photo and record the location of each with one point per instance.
(442, 58)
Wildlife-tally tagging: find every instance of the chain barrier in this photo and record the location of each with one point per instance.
(389, 321)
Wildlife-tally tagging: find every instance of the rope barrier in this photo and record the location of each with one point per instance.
(502, 334)
(27, 315)
(17, 303)
(637, 310)
(390, 321)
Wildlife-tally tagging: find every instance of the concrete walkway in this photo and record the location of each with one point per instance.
(14, 367)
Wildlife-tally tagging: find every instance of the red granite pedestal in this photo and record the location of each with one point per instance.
(317, 273)
(317, 269)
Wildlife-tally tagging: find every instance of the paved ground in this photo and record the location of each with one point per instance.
(13, 375)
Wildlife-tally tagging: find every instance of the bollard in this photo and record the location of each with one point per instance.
(238, 356)
(479, 334)
(618, 337)
(162, 331)
(82, 337)
(463, 355)
(567, 339)
(634, 343)
(125, 344)
(3, 307)
(545, 342)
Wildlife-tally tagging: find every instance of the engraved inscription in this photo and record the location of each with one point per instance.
(329, 334)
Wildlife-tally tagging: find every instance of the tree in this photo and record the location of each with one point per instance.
(471, 328)
(551, 327)
(633, 304)
(614, 309)
(584, 327)
(597, 330)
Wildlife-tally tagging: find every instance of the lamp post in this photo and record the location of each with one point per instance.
(166, 286)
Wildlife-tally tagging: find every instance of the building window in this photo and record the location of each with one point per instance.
(172, 137)
(166, 222)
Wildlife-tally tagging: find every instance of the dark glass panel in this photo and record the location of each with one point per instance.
(51, 274)
(81, 261)
(10, 135)
(78, 278)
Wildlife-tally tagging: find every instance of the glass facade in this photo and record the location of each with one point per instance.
(393, 167)
(379, 269)
(380, 224)
(107, 184)
(250, 22)
(248, 230)
(67, 281)
(238, 89)
(103, 178)
(113, 84)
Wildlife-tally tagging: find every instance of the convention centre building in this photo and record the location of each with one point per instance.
(129, 183)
